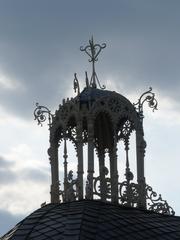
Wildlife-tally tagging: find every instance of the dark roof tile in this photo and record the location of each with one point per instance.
(94, 220)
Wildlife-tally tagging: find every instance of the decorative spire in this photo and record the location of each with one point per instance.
(93, 50)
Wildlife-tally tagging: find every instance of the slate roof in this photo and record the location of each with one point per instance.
(94, 220)
(92, 94)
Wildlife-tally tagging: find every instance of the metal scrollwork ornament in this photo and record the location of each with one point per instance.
(107, 185)
(148, 97)
(93, 50)
(71, 192)
(128, 193)
(76, 84)
(125, 130)
(41, 113)
(156, 203)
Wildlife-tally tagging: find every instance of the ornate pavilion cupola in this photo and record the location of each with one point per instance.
(97, 121)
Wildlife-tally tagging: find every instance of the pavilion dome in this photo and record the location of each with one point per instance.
(94, 220)
(93, 94)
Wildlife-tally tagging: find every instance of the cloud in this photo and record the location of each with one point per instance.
(4, 163)
(34, 175)
(39, 48)
(8, 221)
(22, 179)
(11, 173)
(7, 83)
(7, 176)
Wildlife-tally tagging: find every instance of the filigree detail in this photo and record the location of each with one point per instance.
(114, 105)
(64, 112)
(129, 175)
(89, 189)
(93, 50)
(40, 113)
(127, 126)
(107, 185)
(71, 192)
(156, 203)
(125, 130)
(85, 136)
(71, 134)
(148, 97)
(128, 193)
(97, 186)
(76, 84)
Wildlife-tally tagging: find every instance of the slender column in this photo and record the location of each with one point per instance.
(140, 151)
(80, 162)
(89, 189)
(103, 185)
(129, 175)
(114, 173)
(65, 156)
(53, 153)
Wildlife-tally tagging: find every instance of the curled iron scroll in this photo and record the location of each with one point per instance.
(148, 97)
(41, 113)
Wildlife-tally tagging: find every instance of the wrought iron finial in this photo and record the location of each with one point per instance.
(87, 80)
(40, 113)
(65, 156)
(76, 84)
(148, 97)
(93, 50)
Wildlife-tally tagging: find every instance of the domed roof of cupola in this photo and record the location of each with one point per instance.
(94, 94)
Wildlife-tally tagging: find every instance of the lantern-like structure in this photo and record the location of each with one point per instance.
(99, 119)
(98, 203)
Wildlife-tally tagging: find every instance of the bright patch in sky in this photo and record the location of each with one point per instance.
(8, 84)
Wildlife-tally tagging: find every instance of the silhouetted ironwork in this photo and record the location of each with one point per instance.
(156, 203)
(76, 84)
(41, 113)
(93, 50)
(100, 119)
(148, 97)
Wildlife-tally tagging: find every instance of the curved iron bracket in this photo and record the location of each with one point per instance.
(148, 97)
(41, 113)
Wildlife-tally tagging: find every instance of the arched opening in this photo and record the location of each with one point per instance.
(103, 131)
(67, 170)
(104, 143)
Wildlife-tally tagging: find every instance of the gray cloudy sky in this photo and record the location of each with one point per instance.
(39, 53)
